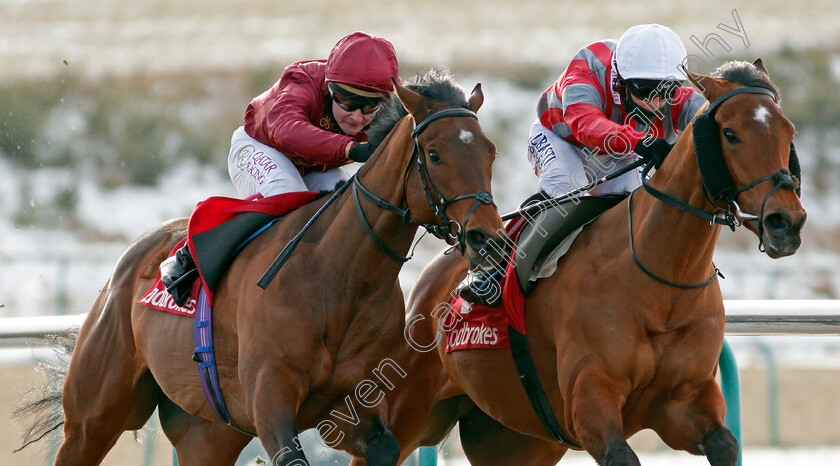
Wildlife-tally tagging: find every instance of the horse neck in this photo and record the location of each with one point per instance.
(677, 244)
(383, 175)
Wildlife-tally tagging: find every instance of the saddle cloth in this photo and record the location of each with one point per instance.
(541, 240)
(218, 228)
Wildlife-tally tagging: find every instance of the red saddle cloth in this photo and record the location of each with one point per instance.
(158, 298)
(214, 219)
(472, 326)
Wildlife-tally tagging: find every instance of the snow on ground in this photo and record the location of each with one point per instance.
(55, 271)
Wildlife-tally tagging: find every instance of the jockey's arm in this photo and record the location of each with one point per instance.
(591, 127)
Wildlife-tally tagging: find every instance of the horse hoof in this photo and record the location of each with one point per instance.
(721, 447)
(383, 450)
(620, 454)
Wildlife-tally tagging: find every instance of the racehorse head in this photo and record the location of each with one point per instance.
(744, 148)
(449, 191)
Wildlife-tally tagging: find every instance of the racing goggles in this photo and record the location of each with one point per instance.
(647, 89)
(350, 102)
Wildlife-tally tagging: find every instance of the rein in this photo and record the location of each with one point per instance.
(443, 231)
(715, 176)
(437, 201)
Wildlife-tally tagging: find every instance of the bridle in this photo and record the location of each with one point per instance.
(443, 231)
(449, 230)
(718, 184)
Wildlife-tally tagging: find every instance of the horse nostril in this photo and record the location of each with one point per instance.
(801, 222)
(777, 223)
(477, 239)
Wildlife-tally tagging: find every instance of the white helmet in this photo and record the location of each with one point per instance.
(649, 51)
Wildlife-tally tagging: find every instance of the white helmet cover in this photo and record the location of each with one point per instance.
(650, 51)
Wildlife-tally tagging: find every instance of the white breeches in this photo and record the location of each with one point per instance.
(257, 168)
(563, 167)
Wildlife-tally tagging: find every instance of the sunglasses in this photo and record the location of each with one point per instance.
(349, 106)
(664, 89)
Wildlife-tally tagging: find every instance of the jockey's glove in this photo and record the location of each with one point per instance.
(360, 152)
(653, 150)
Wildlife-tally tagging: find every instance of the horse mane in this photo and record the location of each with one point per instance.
(436, 84)
(745, 74)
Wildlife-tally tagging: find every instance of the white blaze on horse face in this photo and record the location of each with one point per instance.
(466, 136)
(762, 115)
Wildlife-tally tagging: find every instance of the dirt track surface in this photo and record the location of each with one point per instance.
(13, 381)
(807, 416)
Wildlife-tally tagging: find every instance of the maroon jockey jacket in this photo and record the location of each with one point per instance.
(295, 116)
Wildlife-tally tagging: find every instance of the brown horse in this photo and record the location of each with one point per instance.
(616, 349)
(305, 351)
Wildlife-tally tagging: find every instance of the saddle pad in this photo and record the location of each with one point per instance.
(218, 228)
(158, 298)
(549, 233)
(471, 326)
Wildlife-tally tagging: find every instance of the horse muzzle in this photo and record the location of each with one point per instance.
(781, 234)
(484, 249)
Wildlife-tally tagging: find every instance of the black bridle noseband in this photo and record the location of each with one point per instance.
(718, 183)
(449, 230)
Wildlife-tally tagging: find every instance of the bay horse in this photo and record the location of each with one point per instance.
(295, 354)
(618, 349)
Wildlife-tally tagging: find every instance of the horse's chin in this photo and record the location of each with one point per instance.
(474, 259)
(781, 246)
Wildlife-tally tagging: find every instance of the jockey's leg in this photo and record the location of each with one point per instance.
(600, 166)
(325, 181)
(177, 273)
(560, 168)
(557, 163)
(256, 168)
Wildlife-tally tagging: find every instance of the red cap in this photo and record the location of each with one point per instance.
(364, 61)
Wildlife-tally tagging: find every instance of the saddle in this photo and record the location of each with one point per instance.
(540, 239)
(218, 228)
(547, 229)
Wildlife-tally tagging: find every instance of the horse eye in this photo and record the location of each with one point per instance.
(730, 136)
(434, 157)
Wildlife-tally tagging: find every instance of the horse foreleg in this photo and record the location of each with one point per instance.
(596, 418)
(198, 441)
(274, 400)
(382, 450)
(694, 422)
(488, 442)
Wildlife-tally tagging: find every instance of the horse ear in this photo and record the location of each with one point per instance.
(412, 101)
(476, 98)
(760, 65)
(707, 85)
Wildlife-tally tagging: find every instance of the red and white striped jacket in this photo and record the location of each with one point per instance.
(585, 109)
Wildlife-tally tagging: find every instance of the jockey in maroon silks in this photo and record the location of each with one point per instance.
(616, 101)
(299, 133)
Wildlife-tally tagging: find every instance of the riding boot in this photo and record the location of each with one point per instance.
(178, 273)
(481, 287)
